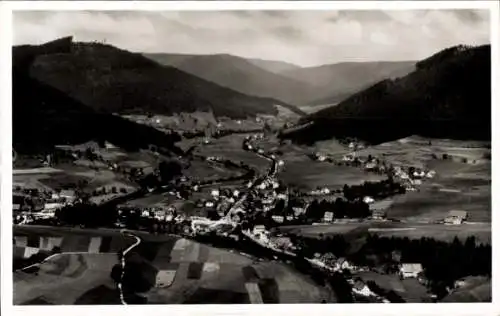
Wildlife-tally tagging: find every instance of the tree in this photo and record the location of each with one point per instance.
(168, 170)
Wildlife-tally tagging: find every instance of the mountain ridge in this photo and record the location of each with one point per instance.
(447, 95)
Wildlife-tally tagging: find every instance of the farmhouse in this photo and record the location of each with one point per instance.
(359, 287)
(69, 195)
(259, 229)
(379, 214)
(328, 217)
(455, 217)
(410, 270)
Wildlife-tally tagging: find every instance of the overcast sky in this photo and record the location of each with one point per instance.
(302, 37)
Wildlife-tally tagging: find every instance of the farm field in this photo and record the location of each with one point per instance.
(71, 177)
(202, 170)
(416, 151)
(199, 273)
(229, 147)
(310, 174)
(65, 279)
(412, 230)
(186, 272)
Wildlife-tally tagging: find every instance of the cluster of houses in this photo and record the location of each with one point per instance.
(40, 205)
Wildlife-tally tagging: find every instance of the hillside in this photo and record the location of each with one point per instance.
(44, 116)
(448, 95)
(242, 75)
(273, 65)
(112, 80)
(336, 82)
(163, 269)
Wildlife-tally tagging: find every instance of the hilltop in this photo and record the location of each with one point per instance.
(237, 73)
(44, 116)
(293, 84)
(448, 95)
(111, 80)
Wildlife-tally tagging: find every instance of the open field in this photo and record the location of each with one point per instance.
(65, 279)
(312, 174)
(72, 177)
(456, 186)
(202, 170)
(203, 273)
(416, 151)
(229, 147)
(482, 231)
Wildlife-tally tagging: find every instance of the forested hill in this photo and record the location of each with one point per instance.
(44, 116)
(112, 80)
(448, 95)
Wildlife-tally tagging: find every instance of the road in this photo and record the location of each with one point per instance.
(124, 262)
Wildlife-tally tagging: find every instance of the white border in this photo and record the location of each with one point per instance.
(298, 309)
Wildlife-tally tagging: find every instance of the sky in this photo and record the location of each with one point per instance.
(305, 38)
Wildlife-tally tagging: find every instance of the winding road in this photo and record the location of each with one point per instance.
(124, 262)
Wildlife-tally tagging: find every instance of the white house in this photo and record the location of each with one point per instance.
(368, 199)
(455, 217)
(209, 204)
(215, 193)
(236, 193)
(258, 229)
(281, 163)
(278, 218)
(328, 217)
(69, 195)
(325, 191)
(53, 206)
(410, 270)
(281, 196)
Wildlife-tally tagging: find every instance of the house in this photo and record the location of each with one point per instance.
(410, 270)
(455, 217)
(371, 166)
(258, 229)
(209, 204)
(298, 210)
(278, 218)
(328, 217)
(379, 214)
(53, 206)
(325, 191)
(69, 195)
(359, 287)
(342, 264)
(368, 199)
(215, 193)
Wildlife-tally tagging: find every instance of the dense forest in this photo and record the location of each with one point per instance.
(447, 96)
(44, 116)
